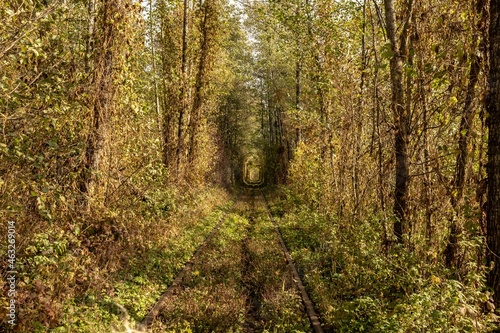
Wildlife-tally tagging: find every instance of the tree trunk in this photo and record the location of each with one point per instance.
(200, 79)
(357, 119)
(493, 109)
(298, 91)
(102, 104)
(401, 118)
(183, 92)
(155, 83)
(169, 96)
(468, 113)
(452, 249)
(427, 188)
(90, 38)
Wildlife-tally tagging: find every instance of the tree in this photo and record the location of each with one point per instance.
(464, 133)
(493, 109)
(183, 92)
(209, 24)
(108, 43)
(401, 114)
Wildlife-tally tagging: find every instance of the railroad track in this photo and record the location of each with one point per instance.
(251, 285)
(306, 300)
(155, 310)
(252, 318)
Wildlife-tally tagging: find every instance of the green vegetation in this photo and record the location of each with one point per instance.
(240, 282)
(129, 129)
(117, 276)
(359, 288)
(213, 296)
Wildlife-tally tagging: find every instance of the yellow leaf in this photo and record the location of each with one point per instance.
(435, 279)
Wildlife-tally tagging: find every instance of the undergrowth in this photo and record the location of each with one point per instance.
(240, 283)
(212, 296)
(104, 269)
(359, 286)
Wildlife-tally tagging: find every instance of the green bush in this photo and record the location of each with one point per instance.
(360, 287)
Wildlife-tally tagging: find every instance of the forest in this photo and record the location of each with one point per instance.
(250, 166)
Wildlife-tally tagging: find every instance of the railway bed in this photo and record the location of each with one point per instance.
(241, 279)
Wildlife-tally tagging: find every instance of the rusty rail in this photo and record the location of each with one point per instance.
(311, 312)
(150, 317)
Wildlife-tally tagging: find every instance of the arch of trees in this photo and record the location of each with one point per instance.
(362, 110)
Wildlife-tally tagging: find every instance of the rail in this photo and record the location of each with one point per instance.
(311, 312)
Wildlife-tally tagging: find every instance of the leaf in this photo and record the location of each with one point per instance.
(435, 279)
(411, 72)
(387, 52)
(53, 144)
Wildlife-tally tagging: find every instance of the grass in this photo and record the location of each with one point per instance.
(240, 283)
(358, 287)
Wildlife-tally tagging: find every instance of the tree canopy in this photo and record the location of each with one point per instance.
(128, 126)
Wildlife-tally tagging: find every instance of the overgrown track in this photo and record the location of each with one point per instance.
(241, 279)
(311, 312)
(150, 317)
(252, 318)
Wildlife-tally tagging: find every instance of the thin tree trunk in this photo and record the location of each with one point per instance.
(452, 251)
(90, 38)
(170, 99)
(427, 189)
(200, 80)
(468, 113)
(183, 92)
(493, 109)
(401, 118)
(411, 227)
(163, 140)
(358, 118)
(298, 73)
(376, 118)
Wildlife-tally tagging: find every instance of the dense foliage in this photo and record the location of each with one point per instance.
(124, 124)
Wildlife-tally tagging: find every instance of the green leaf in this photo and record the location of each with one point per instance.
(53, 144)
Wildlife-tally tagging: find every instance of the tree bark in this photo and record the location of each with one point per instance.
(90, 38)
(183, 92)
(357, 119)
(155, 83)
(102, 104)
(427, 188)
(401, 117)
(298, 91)
(200, 77)
(493, 169)
(170, 99)
(453, 250)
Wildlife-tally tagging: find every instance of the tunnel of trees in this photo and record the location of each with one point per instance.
(373, 125)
